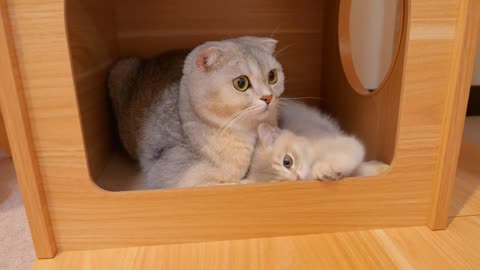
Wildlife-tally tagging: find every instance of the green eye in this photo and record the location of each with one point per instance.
(287, 161)
(241, 83)
(272, 76)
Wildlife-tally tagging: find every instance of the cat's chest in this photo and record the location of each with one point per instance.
(233, 153)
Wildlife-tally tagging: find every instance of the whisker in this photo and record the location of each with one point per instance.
(240, 115)
(275, 30)
(241, 118)
(277, 54)
(232, 119)
(301, 98)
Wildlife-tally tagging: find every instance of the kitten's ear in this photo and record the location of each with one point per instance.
(267, 134)
(206, 57)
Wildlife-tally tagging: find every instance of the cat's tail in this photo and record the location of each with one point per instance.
(121, 79)
(371, 168)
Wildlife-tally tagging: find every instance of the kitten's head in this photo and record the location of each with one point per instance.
(280, 155)
(234, 77)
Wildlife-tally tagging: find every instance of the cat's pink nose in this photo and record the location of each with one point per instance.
(267, 99)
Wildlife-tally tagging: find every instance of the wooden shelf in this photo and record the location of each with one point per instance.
(405, 248)
(398, 248)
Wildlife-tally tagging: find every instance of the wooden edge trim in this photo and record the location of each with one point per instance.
(454, 118)
(346, 54)
(16, 118)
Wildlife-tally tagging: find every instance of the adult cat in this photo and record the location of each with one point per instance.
(191, 118)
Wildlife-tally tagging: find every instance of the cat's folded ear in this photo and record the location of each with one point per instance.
(206, 57)
(269, 44)
(267, 134)
(265, 43)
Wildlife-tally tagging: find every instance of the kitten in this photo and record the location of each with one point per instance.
(280, 155)
(310, 146)
(191, 118)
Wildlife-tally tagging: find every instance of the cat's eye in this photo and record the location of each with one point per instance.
(241, 83)
(272, 76)
(287, 161)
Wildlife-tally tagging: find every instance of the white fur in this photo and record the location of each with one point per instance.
(216, 146)
(321, 149)
(337, 155)
(371, 168)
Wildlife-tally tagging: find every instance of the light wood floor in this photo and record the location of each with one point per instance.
(398, 248)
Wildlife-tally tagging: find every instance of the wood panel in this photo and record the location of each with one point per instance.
(405, 248)
(468, 27)
(372, 117)
(229, 17)
(93, 47)
(155, 26)
(84, 216)
(15, 112)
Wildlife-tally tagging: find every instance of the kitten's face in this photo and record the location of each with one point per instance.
(290, 157)
(285, 156)
(237, 77)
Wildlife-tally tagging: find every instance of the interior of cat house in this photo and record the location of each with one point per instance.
(335, 54)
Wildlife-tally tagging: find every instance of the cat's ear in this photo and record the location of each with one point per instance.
(206, 57)
(269, 44)
(264, 43)
(267, 134)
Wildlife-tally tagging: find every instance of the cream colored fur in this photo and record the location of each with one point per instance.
(189, 126)
(319, 148)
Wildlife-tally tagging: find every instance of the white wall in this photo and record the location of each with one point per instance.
(373, 24)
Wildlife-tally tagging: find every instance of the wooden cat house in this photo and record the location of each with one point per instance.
(53, 64)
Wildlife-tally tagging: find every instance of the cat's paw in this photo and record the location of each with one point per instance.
(324, 171)
(335, 168)
(247, 181)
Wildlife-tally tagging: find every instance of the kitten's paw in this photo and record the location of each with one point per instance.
(325, 171)
(247, 181)
(217, 183)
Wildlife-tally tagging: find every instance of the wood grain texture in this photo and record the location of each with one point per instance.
(406, 121)
(406, 248)
(93, 48)
(345, 97)
(4, 145)
(468, 28)
(15, 112)
(155, 26)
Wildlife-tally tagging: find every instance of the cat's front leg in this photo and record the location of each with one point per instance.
(203, 174)
(247, 181)
(323, 170)
(337, 158)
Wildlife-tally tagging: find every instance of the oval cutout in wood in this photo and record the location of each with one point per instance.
(369, 37)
